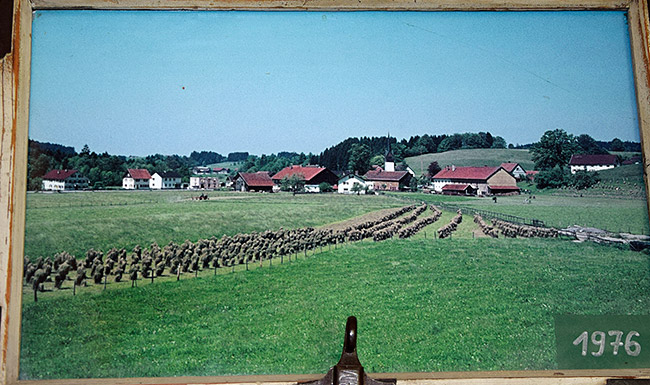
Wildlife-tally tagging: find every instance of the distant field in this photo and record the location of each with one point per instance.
(629, 174)
(76, 222)
(473, 157)
(623, 182)
(422, 305)
(625, 154)
(614, 214)
(230, 165)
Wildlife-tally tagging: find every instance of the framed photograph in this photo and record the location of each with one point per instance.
(203, 192)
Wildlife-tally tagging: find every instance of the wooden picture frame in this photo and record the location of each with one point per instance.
(14, 97)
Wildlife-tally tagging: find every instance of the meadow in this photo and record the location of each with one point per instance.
(604, 212)
(452, 304)
(464, 303)
(76, 222)
(476, 157)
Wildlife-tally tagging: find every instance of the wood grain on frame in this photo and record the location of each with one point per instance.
(14, 108)
(333, 5)
(13, 168)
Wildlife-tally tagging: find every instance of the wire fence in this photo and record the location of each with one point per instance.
(493, 215)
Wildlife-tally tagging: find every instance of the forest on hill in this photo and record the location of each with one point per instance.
(352, 154)
(105, 170)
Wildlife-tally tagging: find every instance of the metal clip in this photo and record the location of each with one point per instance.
(348, 371)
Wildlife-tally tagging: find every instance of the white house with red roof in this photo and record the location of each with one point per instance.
(136, 179)
(592, 162)
(60, 180)
(165, 180)
(515, 170)
(475, 180)
(313, 175)
(221, 170)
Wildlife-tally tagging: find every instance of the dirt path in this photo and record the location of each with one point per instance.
(371, 216)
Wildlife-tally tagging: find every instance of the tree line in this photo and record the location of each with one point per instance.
(553, 153)
(105, 170)
(359, 154)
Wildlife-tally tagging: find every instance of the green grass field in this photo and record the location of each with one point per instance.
(472, 157)
(613, 214)
(76, 222)
(230, 165)
(423, 304)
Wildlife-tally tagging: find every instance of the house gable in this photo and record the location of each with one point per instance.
(502, 178)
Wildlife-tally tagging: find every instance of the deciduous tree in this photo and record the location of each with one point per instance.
(554, 148)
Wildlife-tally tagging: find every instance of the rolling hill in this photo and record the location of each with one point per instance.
(472, 157)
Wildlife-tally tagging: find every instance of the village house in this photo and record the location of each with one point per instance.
(381, 180)
(387, 179)
(200, 170)
(230, 182)
(136, 179)
(347, 183)
(221, 170)
(515, 170)
(474, 180)
(313, 176)
(254, 181)
(60, 180)
(165, 180)
(204, 183)
(593, 162)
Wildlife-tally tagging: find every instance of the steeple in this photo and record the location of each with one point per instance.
(389, 164)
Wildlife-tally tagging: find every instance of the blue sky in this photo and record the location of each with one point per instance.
(140, 82)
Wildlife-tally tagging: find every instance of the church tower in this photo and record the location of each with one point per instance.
(389, 164)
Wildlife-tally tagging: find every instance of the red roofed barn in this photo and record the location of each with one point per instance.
(592, 162)
(479, 180)
(136, 179)
(59, 180)
(254, 181)
(313, 175)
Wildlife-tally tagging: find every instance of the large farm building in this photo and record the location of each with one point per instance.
(254, 181)
(313, 175)
(584, 162)
(475, 181)
(381, 180)
(59, 180)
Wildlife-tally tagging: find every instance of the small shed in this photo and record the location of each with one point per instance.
(458, 189)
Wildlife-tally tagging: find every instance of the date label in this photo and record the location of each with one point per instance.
(602, 342)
